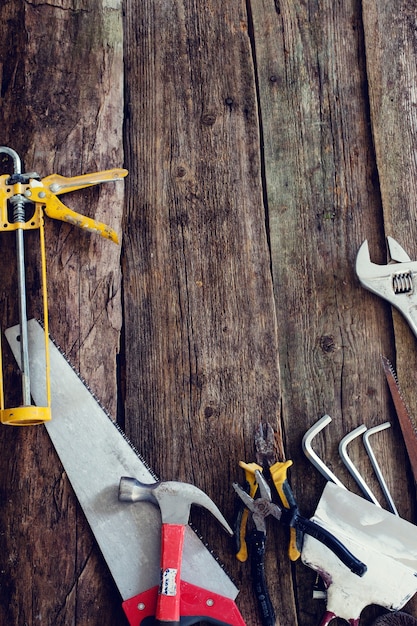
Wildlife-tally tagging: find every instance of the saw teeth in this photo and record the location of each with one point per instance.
(103, 408)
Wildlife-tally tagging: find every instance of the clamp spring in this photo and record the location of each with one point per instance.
(402, 282)
(18, 202)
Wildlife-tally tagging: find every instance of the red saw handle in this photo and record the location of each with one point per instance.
(196, 605)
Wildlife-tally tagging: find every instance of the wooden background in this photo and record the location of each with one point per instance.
(265, 141)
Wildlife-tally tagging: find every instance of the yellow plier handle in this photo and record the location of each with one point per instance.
(278, 473)
(250, 478)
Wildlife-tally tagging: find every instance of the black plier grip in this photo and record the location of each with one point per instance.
(306, 526)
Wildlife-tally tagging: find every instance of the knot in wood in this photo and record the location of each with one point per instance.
(208, 119)
(327, 343)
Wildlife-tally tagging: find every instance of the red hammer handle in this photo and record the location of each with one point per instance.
(168, 604)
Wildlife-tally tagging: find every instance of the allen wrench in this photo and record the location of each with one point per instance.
(328, 474)
(356, 432)
(312, 456)
(375, 464)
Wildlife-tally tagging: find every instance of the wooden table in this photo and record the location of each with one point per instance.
(265, 141)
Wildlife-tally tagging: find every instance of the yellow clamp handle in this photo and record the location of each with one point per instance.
(55, 209)
(279, 476)
(62, 184)
(250, 469)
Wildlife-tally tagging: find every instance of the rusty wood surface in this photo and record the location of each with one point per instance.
(265, 141)
(392, 74)
(324, 199)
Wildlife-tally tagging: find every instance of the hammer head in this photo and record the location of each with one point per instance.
(173, 498)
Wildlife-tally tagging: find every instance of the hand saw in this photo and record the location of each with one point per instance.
(95, 454)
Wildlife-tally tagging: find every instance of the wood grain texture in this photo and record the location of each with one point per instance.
(323, 201)
(392, 79)
(62, 110)
(265, 141)
(200, 328)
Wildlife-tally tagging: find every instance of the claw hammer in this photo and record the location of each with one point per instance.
(174, 500)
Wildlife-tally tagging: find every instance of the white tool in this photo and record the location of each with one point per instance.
(385, 542)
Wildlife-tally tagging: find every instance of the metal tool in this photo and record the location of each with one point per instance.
(174, 500)
(408, 428)
(266, 459)
(266, 455)
(24, 199)
(293, 519)
(95, 453)
(260, 508)
(395, 282)
(385, 542)
(328, 474)
(242, 513)
(312, 456)
(350, 465)
(378, 472)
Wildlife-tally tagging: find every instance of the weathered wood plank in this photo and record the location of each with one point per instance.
(323, 200)
(62, 106)
(200, 328)
(392, 76)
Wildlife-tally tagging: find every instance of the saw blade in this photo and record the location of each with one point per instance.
(95, 455)
(406, 423)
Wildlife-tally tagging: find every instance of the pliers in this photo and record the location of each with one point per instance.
(266, 458)
(262, 507)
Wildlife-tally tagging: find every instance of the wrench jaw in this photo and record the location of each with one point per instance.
(395, 281)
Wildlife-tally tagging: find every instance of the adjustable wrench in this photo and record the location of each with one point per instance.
(395, 282)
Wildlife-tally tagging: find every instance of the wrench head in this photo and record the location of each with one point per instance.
(366, 270)
(396, 252)
(396, 281)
